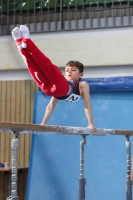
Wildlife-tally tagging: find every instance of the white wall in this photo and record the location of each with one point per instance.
(98, 50)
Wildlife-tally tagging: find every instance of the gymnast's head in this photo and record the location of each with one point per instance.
(74, 70)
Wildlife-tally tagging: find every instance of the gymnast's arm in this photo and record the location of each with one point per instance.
(87, 104)
(49, 110)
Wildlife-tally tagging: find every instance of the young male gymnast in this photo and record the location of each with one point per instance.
(50, 79)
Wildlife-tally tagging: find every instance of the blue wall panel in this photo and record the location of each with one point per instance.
(54, 160)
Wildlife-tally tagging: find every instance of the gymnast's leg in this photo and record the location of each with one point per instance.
(31, 65)
(47, 76)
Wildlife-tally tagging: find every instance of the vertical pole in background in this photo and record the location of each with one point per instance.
(82, 180)
(128, 179)
(14, 171)
(61, 14)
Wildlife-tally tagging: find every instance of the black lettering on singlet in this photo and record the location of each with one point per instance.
(73, 98)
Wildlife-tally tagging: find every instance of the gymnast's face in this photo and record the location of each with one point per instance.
(72, 73)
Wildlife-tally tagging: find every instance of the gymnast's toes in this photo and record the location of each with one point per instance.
(16, 33)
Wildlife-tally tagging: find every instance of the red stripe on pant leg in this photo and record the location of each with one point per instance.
(51, 71)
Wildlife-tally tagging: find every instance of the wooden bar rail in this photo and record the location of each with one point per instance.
(47, 129)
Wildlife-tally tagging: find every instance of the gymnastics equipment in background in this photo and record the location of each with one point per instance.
(103, 84)
(17, 128)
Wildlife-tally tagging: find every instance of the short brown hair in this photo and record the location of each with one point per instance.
(77, 64)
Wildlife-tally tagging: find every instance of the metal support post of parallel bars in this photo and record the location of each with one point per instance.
(82, 180)
(128, 179)
(34, 128)
(14, 171)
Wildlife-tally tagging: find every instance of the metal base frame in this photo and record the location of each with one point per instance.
(14, 170)
(82, 180)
